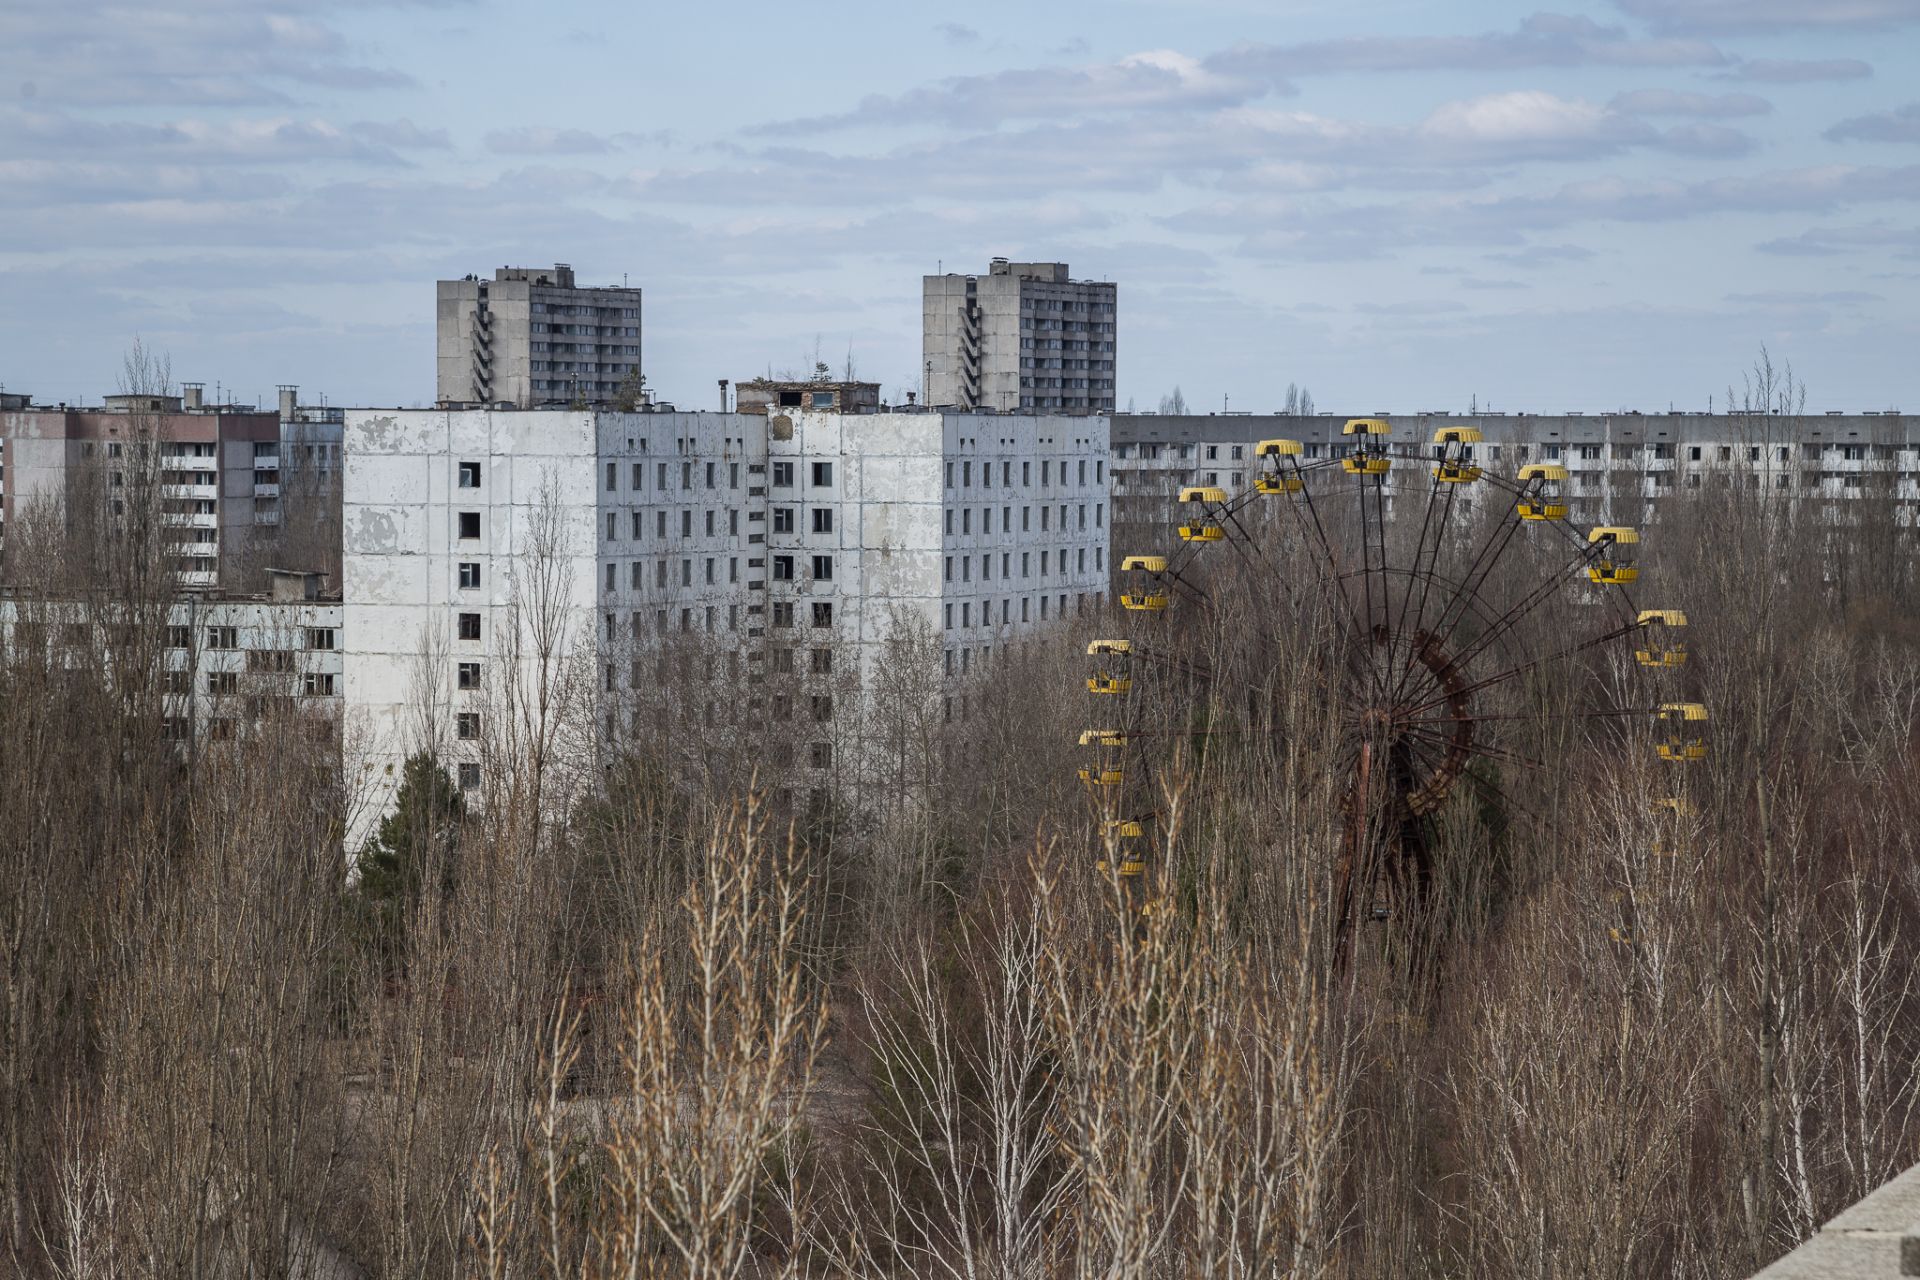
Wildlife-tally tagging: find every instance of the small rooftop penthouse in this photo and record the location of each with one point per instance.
(761, 394)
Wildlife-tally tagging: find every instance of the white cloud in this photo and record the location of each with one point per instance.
(1672, 102)
(532, 140)
(1739, 16)
(1799, 70)
(1159, 79)
(1542, 40)
(1902, 124)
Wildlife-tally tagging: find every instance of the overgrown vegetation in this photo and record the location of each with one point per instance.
(641, 1020)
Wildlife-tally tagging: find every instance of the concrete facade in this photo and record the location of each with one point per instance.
(218, 470)
(1023, 337)
(1618, 464)
(227, 662)
(790, 543)
(530, 337)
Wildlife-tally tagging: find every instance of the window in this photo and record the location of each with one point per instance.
(223, 682)
(686, 524)
(319, 637)
(469, 525)
(822, 707)
(782, 665)
(469, 675)
(223, 638)
(182, 638)
(823, 519)
(469, 776)
(783, 568)
(317, 684)
(783, 475)
(220, 729)
(613, 477)
(180, 681)
(820, 755)
(822, 474)
(469, 626)
(469, 575)
(469, 475)
(783, 613)
(783, 519)
(466, 725)
(823, 568)
(637, 527)
(639, 478)
(822, 613)
(822, 663)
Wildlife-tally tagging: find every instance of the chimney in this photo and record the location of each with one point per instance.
(195, 394)
(289, 401)
(723, 395)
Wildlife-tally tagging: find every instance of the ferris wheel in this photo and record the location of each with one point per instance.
(1445, 624)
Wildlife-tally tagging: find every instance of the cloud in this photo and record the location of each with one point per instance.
(211, 53)
(957, 34)
(1902, 124)
(1540, 255)
(260, 140)
(1728, 17)
(1799, 70)
(401, 135)
(1671, 102)
(1827, 242)
(532, 140)
(1802, 298)
(1542, 40)
(1158, 79)
(1325, 230)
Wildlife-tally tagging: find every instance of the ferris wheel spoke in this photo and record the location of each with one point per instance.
(1432, 558)
(1520, 669)
(1308, 516)
(1471, 746)
(1507, 621)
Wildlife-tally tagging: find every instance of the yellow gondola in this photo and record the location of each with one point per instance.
(1123, 829)
(1098, 647)
(1106, 683)
(1271, 484)
(1615, 567)
(1277, 449)
(1104, 738)
(1681, 744)
(1202, 530)
(1676, 805)
(1545, 498)
(1458, 435)
(1154, 599)
(1366, 460)
(1660, 649)
(1102, 777)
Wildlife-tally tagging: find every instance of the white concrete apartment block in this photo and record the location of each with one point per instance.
(443, 514)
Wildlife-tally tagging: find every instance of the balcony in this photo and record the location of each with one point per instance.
(261, 490)
(190, 491)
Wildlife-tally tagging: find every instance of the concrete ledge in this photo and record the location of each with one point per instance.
(1879, 1237)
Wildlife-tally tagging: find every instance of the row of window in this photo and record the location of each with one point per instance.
(1047, 603)
(1006, 564)
(984, 476)
(1026, 518)
(222, 636)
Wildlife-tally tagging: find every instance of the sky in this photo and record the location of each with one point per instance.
(1605, 205)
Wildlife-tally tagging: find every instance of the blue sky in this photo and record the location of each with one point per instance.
(1602, 205)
